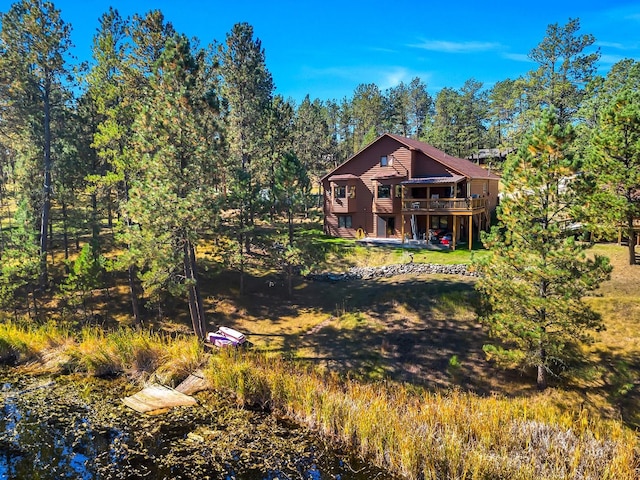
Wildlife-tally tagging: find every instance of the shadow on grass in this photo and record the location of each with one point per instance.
(618, 382)
(419, 330)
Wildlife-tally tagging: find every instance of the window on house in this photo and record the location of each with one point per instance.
(384, 191)
(352, 191)
(344, 221)
(439, 222)
(340, 191)
(384, 161)
(398, 191)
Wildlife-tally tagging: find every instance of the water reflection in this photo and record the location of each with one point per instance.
(73, 428)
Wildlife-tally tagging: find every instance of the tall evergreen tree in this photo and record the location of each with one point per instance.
(172, 199)
(247, 90)
(420, 106)
(442, 129)
(533, 283)
(311, 137)
(33, 42)
(292, 185)
(367, 109)
(278, 137)
(474, 114)
(564, 69)
(506, 109)
(613, 167)
(125, 54)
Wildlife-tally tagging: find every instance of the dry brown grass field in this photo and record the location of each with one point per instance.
(423, 330)
(412, 329)
(376, 361)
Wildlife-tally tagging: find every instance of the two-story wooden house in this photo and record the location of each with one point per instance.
(401, 188)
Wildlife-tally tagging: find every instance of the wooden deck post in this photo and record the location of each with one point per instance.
(455, 232)
(470, 228)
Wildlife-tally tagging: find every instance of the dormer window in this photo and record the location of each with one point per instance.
(384, 161)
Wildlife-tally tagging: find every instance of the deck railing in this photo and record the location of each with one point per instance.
(444, 204)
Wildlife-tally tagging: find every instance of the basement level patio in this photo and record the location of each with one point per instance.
(435, 204)
(398, 243)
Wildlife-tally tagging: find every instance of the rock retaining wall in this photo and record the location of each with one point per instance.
(392, 270)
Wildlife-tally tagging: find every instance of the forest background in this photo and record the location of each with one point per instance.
(156, 146)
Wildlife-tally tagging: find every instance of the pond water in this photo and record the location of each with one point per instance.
(77, 428)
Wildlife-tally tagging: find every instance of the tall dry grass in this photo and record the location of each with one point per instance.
(140, 354)
(408, 430)
(419, 434)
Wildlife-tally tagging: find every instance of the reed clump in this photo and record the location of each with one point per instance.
(140, 354)
(421, 434)
(22, 343)
(410, 431)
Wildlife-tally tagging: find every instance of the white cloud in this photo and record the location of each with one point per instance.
(518, 57)
(445, 46)
(607, 61)
(385, 76)
(616, 45)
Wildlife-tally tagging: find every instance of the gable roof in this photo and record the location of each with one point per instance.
(460, 166)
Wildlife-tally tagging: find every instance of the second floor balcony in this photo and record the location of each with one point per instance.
(443, 205)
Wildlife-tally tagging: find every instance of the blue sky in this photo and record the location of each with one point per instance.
(325, 49)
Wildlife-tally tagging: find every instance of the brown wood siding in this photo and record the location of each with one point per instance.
(425, 166)
(358, 220)
(365, 208)
(366, 165)
(491, 195)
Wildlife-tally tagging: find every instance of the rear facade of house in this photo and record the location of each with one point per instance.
(398, 187)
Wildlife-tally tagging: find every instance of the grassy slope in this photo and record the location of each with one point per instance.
(411, 329)
(423, 330)
(415, 330)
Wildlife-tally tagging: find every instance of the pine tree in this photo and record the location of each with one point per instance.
(125, 53)
(311, 135)
(84, 276)
(292, 186)
(565, 66)
(172, 199)
(33, 42)
(367, 109)
(533, 283)
(614, 167)
(278, 139)
(247, 90)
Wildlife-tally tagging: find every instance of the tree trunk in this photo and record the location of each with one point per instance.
(46, 189)
(109, 211)
(196, 308)
(95, 224)
(542, 371)
(631, 234)
(290, 219)
(65, 233)
(134, 296)
(240, 244)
